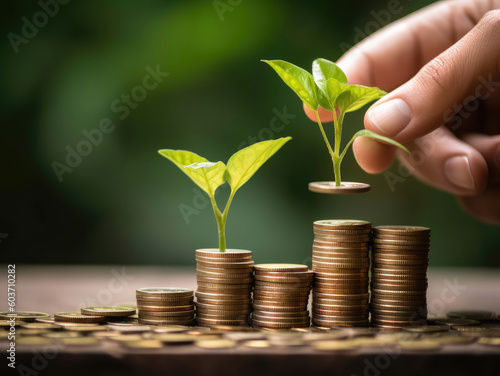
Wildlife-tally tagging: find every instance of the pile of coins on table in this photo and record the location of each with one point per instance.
(281, 296)
(340, 264)
(165, 306)
(464, 328)
(400, 257)
(225, 281)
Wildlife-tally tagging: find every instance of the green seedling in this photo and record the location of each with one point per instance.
(211, 175)
(327, 87)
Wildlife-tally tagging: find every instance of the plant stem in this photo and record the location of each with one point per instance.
(338, 138)
(221, 224)
(332, 154)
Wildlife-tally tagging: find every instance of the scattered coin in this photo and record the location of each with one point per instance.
(420, 345)
(77, 317)
(34, 340)
(333, 345)
(489, 341)
(80, 341)
(217, 344)
(143, 344)
(472, 315)
(25, 316)
(259, 344)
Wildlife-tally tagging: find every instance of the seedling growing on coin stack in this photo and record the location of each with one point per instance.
(211, 175)
(327, 87)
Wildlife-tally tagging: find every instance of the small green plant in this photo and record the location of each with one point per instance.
(211, 175)
(327, 87)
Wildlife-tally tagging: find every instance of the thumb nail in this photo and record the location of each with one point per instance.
(390, 117)
(457, 171)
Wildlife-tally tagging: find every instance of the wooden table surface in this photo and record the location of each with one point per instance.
(53, 289)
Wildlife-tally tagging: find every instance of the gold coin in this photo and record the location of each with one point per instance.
(26, 316)
(221, 322)
(396, 230)
(39, 325)
(77, 317)
(258, 344)
(201, 268)
(421, 345)
(490, 341)
(171, 329)
(224, 263)
(164, 292)
(108, 311)
(34, 341)
(346, 187)
(333, 345)
(87, 328)
(229, 253)
(154, 308)
(472, 315)
(217, 344)
(456, 321)
(143, 344)
(163, 321)
(226, 281)
(58, 335)
(281, 267)
(173, 338)
(453, 340)
(80, 341)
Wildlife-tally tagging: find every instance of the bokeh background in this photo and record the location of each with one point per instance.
(123, 203)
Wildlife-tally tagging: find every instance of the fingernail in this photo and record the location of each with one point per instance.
(457, 170)
(390, 117)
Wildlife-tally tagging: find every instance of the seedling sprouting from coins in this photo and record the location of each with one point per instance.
(211, 175)
(327, 87)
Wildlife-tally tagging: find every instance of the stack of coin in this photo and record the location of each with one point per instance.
(165, 306)
(225, 281)
(281, 295)
(400, 257)
(340, 265)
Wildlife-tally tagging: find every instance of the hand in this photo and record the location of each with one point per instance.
(442, 66)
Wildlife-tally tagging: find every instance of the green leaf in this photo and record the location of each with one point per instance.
(354, 97)
(334, 88)
(243, 164)
(299, 80)
(322, 71)
(370, 134)
(207, 175)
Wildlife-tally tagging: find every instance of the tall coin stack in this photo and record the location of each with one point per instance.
(340, 265)
(400, 257)
(165, 306)
(225, 281)
(281, 295)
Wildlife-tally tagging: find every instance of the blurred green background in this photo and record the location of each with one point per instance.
(123, 203)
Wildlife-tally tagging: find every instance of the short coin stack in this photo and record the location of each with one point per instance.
(165, 306)
(281, 295)
(340, 265)
(400, 257)
(225, 281)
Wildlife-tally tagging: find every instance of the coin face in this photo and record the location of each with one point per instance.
(281, 267)
(346, 187)
(108, 311)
